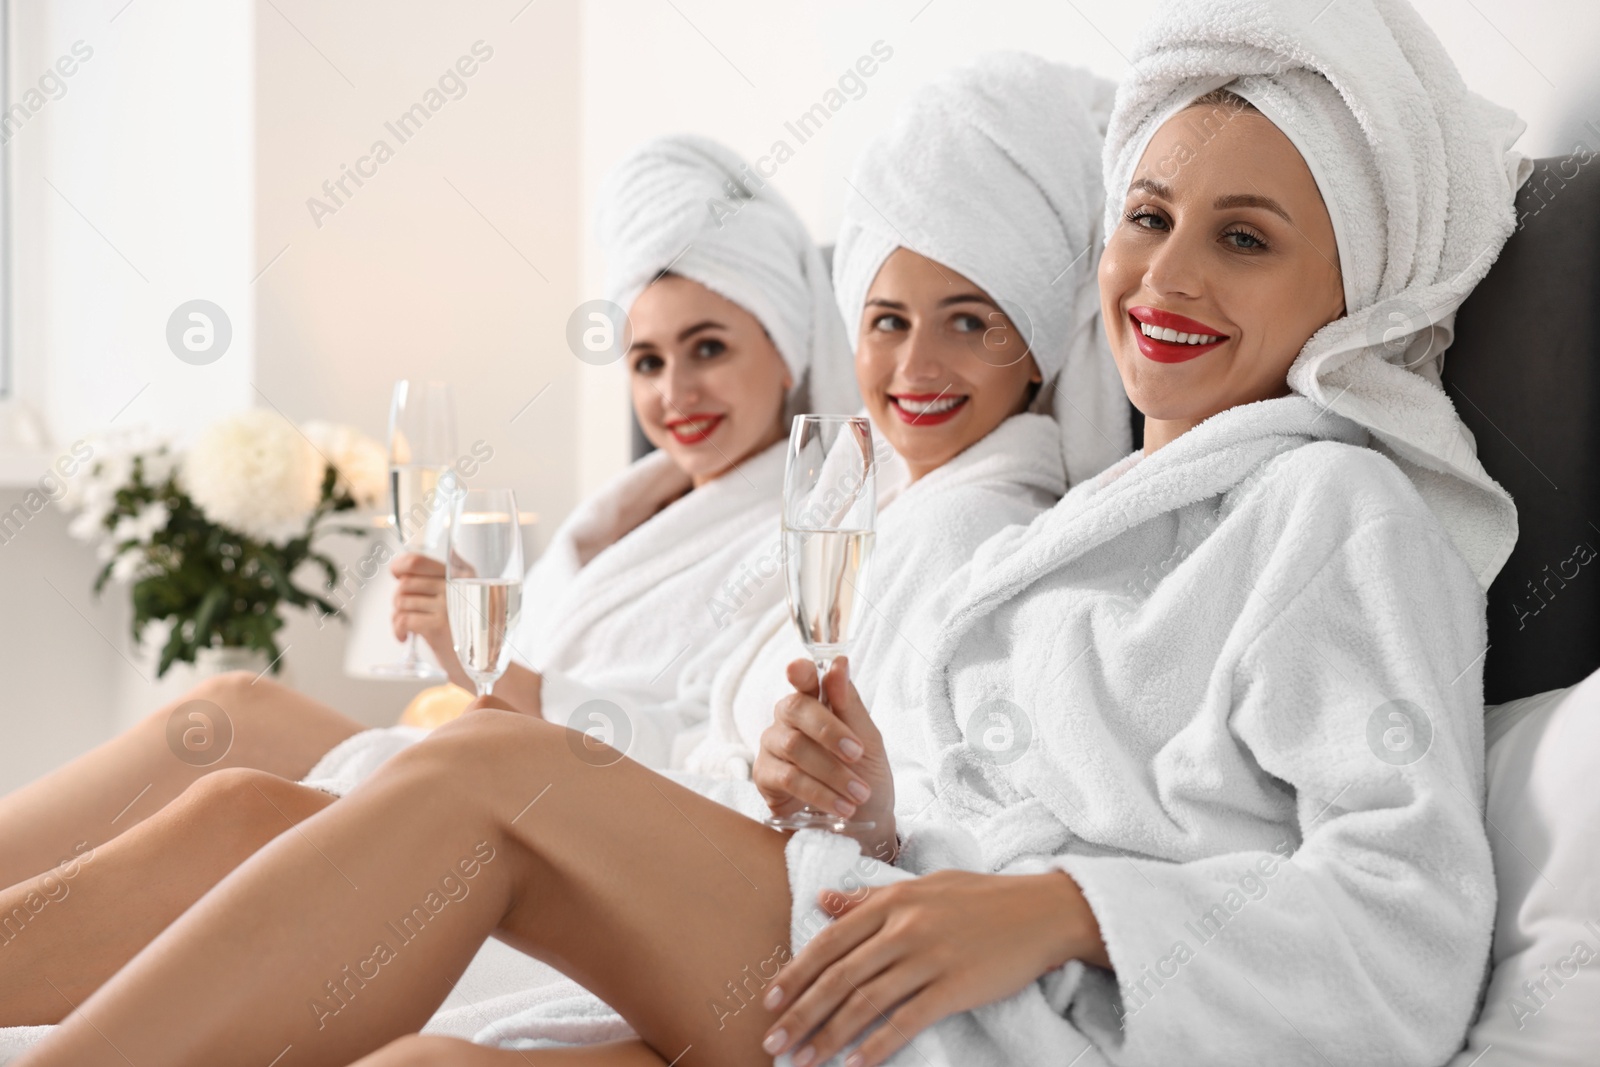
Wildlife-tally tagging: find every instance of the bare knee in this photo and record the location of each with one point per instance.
(421, 1050)
(246, 799)
(478, 757)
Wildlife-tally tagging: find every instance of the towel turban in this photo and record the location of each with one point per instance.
(1419, 179)
(689, 205)
(994, 171)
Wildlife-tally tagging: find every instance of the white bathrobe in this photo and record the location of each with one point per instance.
(1234, 690)
(632, 606)
(926, 532)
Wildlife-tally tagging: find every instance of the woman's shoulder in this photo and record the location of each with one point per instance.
(1338, 482)
(1319, 500)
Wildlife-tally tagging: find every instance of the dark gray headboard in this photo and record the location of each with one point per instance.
(1524, 373)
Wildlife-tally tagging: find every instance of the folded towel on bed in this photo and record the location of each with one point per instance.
(1419, 177)
(994, 171)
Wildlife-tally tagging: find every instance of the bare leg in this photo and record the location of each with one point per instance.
(332, 941)
(131, 777)
(64, 934)
(417, 1050)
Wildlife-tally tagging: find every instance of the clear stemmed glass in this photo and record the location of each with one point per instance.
(829, 510)
(422, 445)
(483, 581)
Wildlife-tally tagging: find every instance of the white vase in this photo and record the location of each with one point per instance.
(209, 662)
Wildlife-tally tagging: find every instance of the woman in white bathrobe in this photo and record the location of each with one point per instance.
(1193, 772)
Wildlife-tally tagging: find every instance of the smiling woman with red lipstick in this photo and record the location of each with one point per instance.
(708, 384)
(939, 363)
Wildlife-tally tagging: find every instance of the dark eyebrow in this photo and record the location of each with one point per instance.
(1252, 200)
(1151, 186)
(959, 298)
(698, 327)
(1223, 203)
(967, 298)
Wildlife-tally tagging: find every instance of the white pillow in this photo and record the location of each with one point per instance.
(1542, 1004)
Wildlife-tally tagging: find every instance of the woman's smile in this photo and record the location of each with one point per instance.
(926, 409)
(693, 429)
(1169, 338)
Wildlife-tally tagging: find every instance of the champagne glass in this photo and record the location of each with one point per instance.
(483, 581)
(829, 509)
(422, 446)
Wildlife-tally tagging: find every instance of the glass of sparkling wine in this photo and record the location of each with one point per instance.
(829, 509)
(483, 581)
(422, 446)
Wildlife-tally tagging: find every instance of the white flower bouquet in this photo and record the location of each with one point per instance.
(209, 540)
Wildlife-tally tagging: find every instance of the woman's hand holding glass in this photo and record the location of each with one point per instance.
(419, 608)
(834, 760)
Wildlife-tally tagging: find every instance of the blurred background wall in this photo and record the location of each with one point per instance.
(179, 161)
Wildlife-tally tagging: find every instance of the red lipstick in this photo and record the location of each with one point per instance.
(1164, 350)
(920, 417)
(692, 429)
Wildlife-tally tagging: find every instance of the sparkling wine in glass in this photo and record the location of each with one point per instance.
(483, 582)
(422, 446)
(829, 511)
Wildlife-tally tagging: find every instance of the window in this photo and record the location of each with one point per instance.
(5, 206)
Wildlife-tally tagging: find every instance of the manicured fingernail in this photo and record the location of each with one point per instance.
(859, 790)
(845, 808)
(775, 1041)
(804, 1056)
(850, 747)
(774, 997)
(855, 1059)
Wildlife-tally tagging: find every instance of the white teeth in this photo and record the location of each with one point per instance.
(698, 426)
(929, 407)
(1162, 333)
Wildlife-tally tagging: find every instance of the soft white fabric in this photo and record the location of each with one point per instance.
(926, 531)
(1542, 1004)
(1419, 178)
(925, 534)
(688, 204)
(629, 607)
(1201, 653)
(15, 1040)
(994, 171)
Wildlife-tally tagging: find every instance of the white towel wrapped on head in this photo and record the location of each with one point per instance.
(994, 171)
(1419, 177)
(689, 205)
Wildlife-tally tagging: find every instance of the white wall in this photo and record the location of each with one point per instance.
(714, 67)
(407, 278)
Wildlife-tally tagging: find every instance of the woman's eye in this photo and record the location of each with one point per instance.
(1244, 239)
(708, 348)
(1146, 219)
(889, 322)
(965, 323)
(647, 364)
